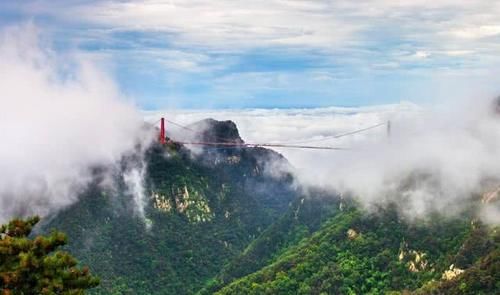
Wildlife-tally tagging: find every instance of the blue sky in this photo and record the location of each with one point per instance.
(278, 53)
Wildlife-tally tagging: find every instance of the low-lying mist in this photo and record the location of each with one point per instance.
(435, 158)
(60, 116)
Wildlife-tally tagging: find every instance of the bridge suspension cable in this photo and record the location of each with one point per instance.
(222, 143)
(254, 145)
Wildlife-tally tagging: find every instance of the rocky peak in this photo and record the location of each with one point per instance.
(211, 130)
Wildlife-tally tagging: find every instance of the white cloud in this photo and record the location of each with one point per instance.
(457, 143)
(354, 34)
(59, 117)
(300, 22)
(421, 54)
(457, 52)
(225, 23)
(176, 60)
(348, 27)
(295, 125)
(477, 32)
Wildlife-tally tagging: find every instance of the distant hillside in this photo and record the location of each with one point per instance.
(357, 253)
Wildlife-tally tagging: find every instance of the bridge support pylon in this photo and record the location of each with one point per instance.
(161, 136)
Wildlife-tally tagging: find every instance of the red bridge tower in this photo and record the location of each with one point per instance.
(161, 137)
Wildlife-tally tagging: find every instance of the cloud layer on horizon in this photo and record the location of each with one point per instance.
(435, 158)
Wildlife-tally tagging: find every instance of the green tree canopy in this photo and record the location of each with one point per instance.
(35, 266)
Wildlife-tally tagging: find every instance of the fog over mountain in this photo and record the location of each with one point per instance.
(434, 158)
(72, 118)
(55, 128)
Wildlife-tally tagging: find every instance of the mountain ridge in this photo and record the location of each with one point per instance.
(223, 221)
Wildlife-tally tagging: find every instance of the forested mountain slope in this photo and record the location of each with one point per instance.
(221, 220)
(201, 211)
(357, 252)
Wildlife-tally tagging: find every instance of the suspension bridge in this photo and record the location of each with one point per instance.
(162, 138)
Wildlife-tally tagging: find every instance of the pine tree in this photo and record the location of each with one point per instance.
(35, 266)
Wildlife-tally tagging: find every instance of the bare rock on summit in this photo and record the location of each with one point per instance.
(211, 130)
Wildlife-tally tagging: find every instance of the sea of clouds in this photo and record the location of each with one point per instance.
(435, 158)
